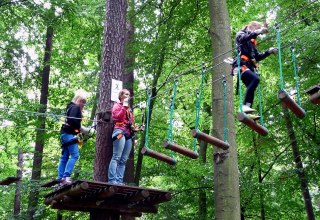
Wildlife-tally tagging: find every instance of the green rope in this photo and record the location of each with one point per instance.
(171, 111)
(239, 81)
(198, 107)
(197, 121)
(295, 73)
(198, 100)
(279, 54)
(260, 106)
(147, 125)
(225, 129)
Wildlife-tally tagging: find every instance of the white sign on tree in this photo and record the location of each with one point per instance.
(116, 87)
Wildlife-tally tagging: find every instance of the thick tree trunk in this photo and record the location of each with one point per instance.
(128, 78)
(17, 197)
(113, 59)
(299, 166)
(226, 173)
(37, 158)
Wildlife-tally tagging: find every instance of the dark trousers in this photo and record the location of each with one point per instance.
(251, 80)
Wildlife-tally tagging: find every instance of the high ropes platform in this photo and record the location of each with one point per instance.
(88, 196)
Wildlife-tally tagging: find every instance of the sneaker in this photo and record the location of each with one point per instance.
(247, 109)
(65, 181)
(254, 117)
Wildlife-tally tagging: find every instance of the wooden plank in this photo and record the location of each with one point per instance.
(313, 89)
(51, 183)
(9, 180)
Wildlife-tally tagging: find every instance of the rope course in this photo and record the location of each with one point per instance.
(197, 134)
(146, 150)
(168, 144)
(282, 94)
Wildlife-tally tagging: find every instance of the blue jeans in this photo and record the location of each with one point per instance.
(251, 80)
(66, 164)
(121, 151)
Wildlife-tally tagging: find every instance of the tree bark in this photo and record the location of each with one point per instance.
(17, 197)
(113, 59)
(299, 166)
(38, 153)
(128, 78)
(226, 173)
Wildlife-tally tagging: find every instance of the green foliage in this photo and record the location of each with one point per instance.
(171, 40)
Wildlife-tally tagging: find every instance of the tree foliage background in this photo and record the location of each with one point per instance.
(171, 39)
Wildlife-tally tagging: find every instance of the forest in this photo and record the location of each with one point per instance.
(171, 54)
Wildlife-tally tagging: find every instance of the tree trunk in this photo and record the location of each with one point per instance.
(202, 192)
(37, 158)
(17, 197)
(113, 59)
(128, 78)
(260, 179)
(226, 173)
(299, 166)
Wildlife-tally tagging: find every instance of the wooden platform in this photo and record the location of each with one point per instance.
(9, 180)
(88, 196)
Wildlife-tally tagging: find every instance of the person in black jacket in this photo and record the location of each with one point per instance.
(249, 58)
(68, 137)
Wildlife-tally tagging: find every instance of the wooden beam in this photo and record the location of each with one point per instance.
(51, 183)
(209, 139)
(313, 89)
(182, 150)
(73, 191)
(140, 195)
(291, 104)
(9, 180)
(315, 98)
(69, 202)
(158, 156)
(107, 192)
(242, 117)
(158, 199)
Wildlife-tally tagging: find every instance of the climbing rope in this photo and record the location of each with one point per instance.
(260, 106)
(239, 81)
(147, 125)
(198, 106)
(279, 55)
(295, 73)
(172, 110)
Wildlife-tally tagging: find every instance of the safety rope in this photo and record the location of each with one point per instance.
(260, 105)
(198, 107)
(225, 129)
(279, 55)
(239, 81)
(171, 111)
(295, 73)
(147, 125)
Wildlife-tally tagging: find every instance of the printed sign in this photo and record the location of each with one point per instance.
(116, 87)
